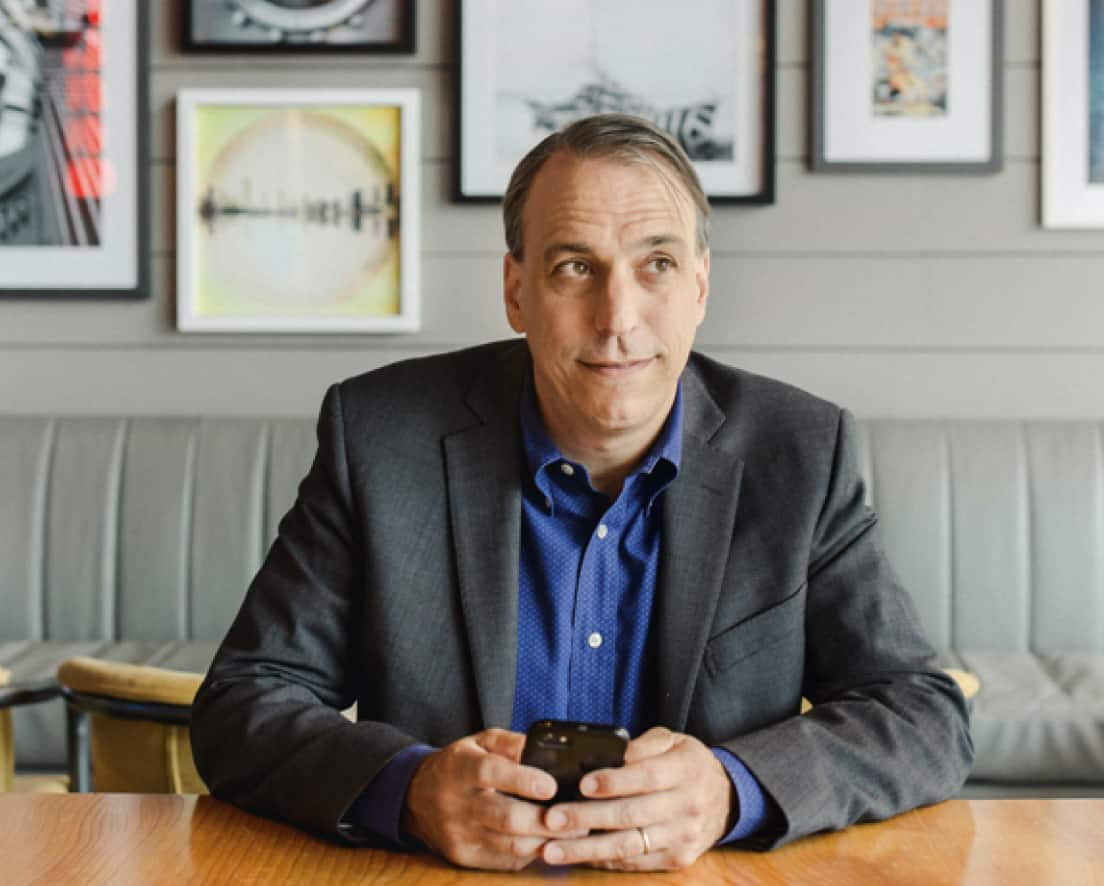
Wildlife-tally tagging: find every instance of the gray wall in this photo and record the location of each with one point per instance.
(895, 295)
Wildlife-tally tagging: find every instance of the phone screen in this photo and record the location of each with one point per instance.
(568, 750)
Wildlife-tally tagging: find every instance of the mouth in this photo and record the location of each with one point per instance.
(617, 368)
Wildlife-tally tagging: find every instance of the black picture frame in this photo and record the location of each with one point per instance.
(823, 158)
(94, 188)
(252, 17)
(473, 18)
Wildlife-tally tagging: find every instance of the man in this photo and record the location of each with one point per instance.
(592, 523)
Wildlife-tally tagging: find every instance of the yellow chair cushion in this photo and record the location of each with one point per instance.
(129, 681)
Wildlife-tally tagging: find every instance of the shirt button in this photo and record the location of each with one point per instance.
(567, 469)
(594, 640)
(603, 530)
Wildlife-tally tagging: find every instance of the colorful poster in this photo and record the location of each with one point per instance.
(52, 174)
(909, 41)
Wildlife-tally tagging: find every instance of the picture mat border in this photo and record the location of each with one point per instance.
(408, 100)
(767, 137)
(139, 120)
(817, 110)
(1066, 203)
(405, 44)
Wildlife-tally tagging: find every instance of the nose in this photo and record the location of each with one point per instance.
(616, 304)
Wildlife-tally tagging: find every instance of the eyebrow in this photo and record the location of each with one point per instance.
(554, 249)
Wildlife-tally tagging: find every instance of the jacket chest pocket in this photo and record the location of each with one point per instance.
(752, 672)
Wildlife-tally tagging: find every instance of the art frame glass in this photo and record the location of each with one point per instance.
(1073, 114)
(74, 151)
(904, 86)
(527, 68)
(327, 26)
(298, 210)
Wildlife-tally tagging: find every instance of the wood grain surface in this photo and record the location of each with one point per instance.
(122, 839)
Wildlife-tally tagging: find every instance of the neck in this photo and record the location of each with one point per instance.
(608, 455)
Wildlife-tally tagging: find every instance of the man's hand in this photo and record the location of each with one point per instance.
(671, 787)
(457, 803)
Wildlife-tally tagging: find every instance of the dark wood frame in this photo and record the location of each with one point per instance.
(404, 44)
(764, 196)
(816, 112)
(141, 185)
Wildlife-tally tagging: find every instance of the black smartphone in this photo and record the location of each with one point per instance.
(567, 751)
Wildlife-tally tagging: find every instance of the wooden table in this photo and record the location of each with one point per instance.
(123, 839)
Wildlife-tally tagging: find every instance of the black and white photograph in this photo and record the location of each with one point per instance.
(1073, 114)
(925, 97)
(71, 149)
(299, 25)
(529, 68)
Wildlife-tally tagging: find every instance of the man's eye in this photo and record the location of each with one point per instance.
(574, 267)
(662, 264)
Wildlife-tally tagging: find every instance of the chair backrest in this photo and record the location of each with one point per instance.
(997, 529)
(134, 747)
(151, 528)
(138, 529)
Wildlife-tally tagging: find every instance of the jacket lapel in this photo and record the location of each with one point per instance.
(483, 465)
(698, 514)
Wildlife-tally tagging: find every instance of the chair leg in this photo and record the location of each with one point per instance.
(79, 750)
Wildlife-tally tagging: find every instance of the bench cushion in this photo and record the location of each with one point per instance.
(1038, 717)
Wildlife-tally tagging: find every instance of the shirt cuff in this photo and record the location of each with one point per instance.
(751, 802)
(379, 807)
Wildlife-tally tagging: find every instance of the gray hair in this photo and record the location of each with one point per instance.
(617, 136)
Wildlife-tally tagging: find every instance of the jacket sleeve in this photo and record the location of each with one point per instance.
(888, 730)
(267, 730)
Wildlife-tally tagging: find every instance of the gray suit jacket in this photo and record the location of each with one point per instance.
(393, 583)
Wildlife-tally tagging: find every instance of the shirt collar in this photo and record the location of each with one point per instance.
(541, 451)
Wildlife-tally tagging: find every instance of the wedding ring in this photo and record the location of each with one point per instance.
(647, 842)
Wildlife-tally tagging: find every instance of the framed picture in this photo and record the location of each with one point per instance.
(906, 86)
(297, 210)
(1073, 114)
(74, 158)
(704, 71)
(298, 25)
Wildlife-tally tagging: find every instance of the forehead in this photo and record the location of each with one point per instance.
(573, 196)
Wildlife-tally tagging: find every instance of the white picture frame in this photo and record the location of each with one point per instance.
(1072, 145)
(74, 152)
(704, 71)
(291, 217)
(854, 129)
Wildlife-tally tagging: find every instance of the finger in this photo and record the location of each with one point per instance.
(610, 815)
(479, 848)
(502, 742)
(524, 849)
(614, 846)
(506, 815)
(500, 774)
(649, 775)
(656, 740)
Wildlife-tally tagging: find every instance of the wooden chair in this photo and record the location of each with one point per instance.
(11, 696)
(128, 727)
(7, 741)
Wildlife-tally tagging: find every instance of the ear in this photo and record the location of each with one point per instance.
(511, 292)
(701, 279)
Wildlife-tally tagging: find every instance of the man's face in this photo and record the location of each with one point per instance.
(609, 294)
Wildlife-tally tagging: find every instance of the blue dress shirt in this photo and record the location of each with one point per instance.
(587, 581)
